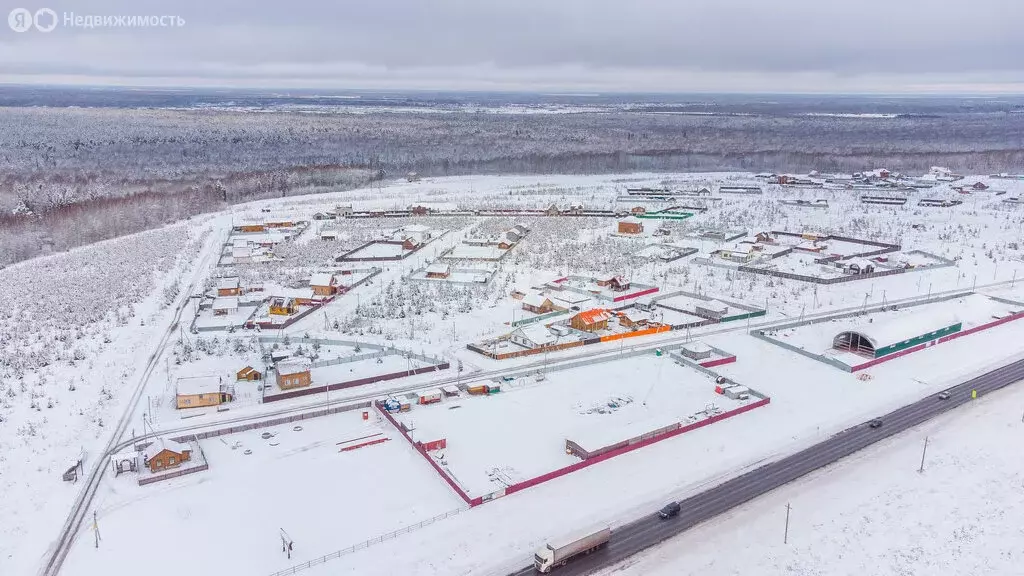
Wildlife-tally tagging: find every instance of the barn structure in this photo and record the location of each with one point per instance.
(877, 340)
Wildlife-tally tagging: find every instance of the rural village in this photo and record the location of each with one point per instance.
(434, 355)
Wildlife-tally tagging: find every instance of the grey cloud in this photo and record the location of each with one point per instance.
(735, 43)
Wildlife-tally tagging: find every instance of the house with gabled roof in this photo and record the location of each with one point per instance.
(323, 284)
(591, 320)
(537, 303)
(164, 453)
(533, 336)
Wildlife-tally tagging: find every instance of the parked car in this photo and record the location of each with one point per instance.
(671, 509)
(876, 423)
(943, 395)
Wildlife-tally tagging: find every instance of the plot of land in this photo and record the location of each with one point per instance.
(244, 500)
(502, 439)
(468, 252)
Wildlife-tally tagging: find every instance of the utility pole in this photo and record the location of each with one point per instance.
(96, 528)
(286, 543)
(923, 450)
(785, 535)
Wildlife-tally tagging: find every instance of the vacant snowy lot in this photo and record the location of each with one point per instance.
(495, 441)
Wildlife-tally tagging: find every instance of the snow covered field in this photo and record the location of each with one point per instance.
(520, 433)
(230, 515)
(874, 513)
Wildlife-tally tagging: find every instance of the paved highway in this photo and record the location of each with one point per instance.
(650, 530)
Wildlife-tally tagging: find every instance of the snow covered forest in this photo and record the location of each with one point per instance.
(70, 176)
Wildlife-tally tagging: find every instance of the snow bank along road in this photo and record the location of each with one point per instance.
(62, 544)
(650, 530)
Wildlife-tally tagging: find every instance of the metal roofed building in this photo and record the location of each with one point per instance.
(882, 339)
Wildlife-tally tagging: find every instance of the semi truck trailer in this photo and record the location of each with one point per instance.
(559, 551)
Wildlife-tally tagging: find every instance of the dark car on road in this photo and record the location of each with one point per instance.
(876, 423)
(671, 509)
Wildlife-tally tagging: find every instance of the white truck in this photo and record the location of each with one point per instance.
(559, 551)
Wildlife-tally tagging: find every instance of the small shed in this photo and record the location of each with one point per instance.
(329, 235)
(450, 390)
(736, 392)
(712, 309)
(696, 350)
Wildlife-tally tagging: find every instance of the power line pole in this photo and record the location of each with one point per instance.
(923, 450)
(96, 528)
(785, 535)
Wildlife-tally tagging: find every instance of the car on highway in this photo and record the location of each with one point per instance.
(671, 509)
(876, 423)
(943, 395)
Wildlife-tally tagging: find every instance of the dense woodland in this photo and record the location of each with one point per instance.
(70, 176)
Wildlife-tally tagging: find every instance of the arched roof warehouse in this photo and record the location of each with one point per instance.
(881, 338)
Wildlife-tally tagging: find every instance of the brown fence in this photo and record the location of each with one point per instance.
(274, 421)
(526, 352)
(353, 383)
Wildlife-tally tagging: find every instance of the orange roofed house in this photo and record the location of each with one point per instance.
(591, 320)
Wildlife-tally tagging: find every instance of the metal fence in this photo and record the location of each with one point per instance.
(365, 544)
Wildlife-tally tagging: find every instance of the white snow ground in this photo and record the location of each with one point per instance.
(873, 513)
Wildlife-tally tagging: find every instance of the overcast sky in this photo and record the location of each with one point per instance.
(888, 46)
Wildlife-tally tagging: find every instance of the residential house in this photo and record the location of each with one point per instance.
(324, 216)
(418, 210)
(201, 391)
(293, 373)
(552, 210)
(633, 319)
(631, 225)
(438, 270)
(329, 235)
(164, 453)
(737, 253)
(282, 306)
(248, 374)
(532, 336)
(228, 287)
(537, 303)
(323, 284)
(615, 283)
(638, 210)
(225, 305)
(343, 210)
(591, 320)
